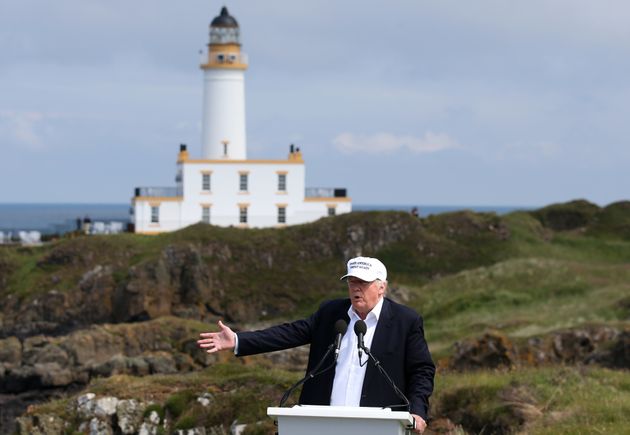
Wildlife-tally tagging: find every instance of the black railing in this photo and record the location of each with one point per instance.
(158, 191)
(324, 192)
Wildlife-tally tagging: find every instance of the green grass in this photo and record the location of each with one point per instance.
(547, 400)
(282, 272)
(467, 273)
(240, 392)
(521, 297)
(24, 278)
(552, 400)
(530, 239)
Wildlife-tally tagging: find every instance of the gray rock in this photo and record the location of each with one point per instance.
(218, 430)
(154, 418)
(31, 348)
(49, 353)
(53, 375)
(100, 427)
(86, 405)
(129, 416)
(84, 426)
(205, 399)
(162, 363)
(138, 366)
(150, 425)
(40, 425)
(10, 352)
(147, 429)
(237, 429)
(90, 275)
(193, 431)
(492, 350)
(105, 406)
(92, 347)
(183, 362)
(116, 365)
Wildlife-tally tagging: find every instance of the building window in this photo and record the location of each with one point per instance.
(242, 217)
(205, 182)
(282, 215)
(155, 214)
(205, 214)
(332, 211)
(282, 182)
(243, 182)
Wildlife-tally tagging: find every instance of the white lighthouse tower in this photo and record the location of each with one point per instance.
(223, 187)
(223, 122)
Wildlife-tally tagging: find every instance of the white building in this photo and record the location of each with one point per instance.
(223, 187)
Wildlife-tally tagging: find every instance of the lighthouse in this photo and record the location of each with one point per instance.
(222, 187)
(223, 116)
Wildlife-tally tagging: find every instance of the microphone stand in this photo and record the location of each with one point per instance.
(383, 372)
(309, 375)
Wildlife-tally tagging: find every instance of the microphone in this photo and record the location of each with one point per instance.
(340, 327)
(360, 328)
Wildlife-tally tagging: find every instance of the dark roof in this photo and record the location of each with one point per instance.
(224, 19)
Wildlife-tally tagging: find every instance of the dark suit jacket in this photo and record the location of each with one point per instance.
(398, 344)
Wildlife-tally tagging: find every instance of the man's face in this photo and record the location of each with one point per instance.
(364, 295)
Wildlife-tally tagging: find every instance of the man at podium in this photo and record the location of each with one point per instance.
(392, 333)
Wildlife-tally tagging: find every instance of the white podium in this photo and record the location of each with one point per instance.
(345, 420)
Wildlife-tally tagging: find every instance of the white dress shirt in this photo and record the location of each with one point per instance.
(349, 373)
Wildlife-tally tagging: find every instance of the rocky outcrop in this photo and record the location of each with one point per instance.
(205, 272)
(38, 367)
(492, 350)
(89, 413)
(484, 410)
(162, 346)
(173, 284)
(600, 345)
(40, 361)
(567, 216)
(612, 221)
(167, 409)
(102, 415)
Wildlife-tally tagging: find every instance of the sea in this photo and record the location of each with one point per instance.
(62, 218)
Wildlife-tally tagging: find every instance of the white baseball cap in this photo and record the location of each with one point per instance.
(366, 268)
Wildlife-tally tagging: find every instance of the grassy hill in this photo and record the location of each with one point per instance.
(539, 301)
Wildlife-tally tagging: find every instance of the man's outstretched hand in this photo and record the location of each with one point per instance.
(216, 341)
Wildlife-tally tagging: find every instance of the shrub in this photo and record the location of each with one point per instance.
(178, 402)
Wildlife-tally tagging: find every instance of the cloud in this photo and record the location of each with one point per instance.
(388, 143)
(22, 128)
(530, 152)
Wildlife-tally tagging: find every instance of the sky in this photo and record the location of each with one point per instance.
(436, 102)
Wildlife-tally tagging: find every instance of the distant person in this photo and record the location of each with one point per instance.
(87, 224)
(395, 336)
(414, 212)
(79, 223)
